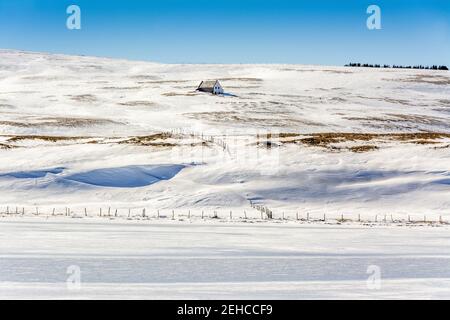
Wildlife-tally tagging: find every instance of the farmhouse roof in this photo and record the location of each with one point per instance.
(207, 84)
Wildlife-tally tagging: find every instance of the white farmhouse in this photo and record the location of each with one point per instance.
(211, 86)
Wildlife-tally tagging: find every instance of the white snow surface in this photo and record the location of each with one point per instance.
(212, 260)
(72, 138)
(98, 102)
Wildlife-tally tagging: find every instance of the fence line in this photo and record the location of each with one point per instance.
(200, 135)
(257, 212)
(263, 210)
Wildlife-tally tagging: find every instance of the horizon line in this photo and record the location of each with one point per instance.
(346, 65)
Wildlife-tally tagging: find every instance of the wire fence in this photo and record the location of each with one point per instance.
(255, 213)
(203, 137)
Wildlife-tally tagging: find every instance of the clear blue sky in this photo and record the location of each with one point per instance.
(329, 32)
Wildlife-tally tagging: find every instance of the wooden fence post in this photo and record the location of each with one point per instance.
(85, 212)
(245, 215)
(173, 215)
(53, 212)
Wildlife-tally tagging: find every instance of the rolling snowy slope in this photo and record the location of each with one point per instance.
(82, 134)
(81, 131)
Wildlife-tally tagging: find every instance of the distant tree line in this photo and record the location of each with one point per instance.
(366, 65)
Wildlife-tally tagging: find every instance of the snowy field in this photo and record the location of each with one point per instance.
(91, 132)
(206, 260)
(84, 134)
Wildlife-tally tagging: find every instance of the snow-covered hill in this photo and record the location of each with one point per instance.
(89, 132)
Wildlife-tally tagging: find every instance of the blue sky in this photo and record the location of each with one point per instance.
(328, 32)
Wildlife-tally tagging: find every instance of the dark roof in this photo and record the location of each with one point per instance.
(209, 84)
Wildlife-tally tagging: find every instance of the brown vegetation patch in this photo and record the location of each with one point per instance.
(44, 78)
(160, 140)
(361, 149)
(337, 71)
(259, 117)
(163, 82)
(442, 147)
(243, 87)
(137, 104)
(329, 140)
(6, 146)
(15, 124)
(422, 119)
(74, 122)
(154, 140)
(417, 136)
(242, 79)
(396, 101)
(388, 100)
(159, 144)
(122, 88)
(325, 139)
(58, 122)
(144, 77)
(174, 94)
(401, 119)
(318, 70)
(424, 142)
(288, 135)
(427, 79)
(83, 98)
(44, 138)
